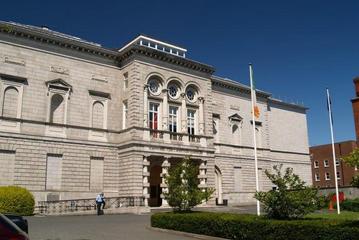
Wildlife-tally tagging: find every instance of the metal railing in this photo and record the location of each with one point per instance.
(77, 205)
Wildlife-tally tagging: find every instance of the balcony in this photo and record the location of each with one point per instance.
(174, 137)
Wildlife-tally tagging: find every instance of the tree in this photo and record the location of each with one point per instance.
(291, 198)
(353, 160)
(183, 191)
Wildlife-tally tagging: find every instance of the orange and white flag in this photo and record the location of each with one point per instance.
(255, 109)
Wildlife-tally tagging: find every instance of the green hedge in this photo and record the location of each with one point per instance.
(350, 205)
(16, 200)
(250, 227)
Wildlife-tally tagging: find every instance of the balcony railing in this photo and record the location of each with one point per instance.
(169, 137)
(80, 205)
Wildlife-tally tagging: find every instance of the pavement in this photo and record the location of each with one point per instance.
(108, 227)
(105, 227)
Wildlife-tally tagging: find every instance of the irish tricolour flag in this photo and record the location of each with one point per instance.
(255, 107)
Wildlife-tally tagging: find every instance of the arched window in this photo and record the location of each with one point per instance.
(98, 115)
(57, 109)
(10, 103)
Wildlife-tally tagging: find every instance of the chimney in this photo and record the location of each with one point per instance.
(356, 83)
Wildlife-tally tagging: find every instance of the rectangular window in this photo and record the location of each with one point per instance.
(317, 177)
(53, 172)
(7, 163)
(125, 114)
(172, 121)
(338, 175)
(191, 121)
(316, 164)
(326, 163)
(337, 162)
(153, 116)
(96, 173)
(327, 176)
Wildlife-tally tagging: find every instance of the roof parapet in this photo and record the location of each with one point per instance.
(157, 45)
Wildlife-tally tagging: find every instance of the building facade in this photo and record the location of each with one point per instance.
(78, 118)
(322, 164)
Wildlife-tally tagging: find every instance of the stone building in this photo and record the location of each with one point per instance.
(77, 118)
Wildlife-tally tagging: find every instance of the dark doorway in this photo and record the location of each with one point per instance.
(155, 187)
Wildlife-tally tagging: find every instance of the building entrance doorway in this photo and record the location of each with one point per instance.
(155, 187)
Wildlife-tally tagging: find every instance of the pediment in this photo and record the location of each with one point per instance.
(59, 84)
(235, 117)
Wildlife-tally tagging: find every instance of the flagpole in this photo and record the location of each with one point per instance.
(254, 137)
(333, 150)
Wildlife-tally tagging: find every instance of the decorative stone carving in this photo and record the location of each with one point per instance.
(99, 78)
(14, 60)
(60, 70)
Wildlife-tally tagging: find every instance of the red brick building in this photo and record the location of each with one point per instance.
(322, 164)
(322, 156)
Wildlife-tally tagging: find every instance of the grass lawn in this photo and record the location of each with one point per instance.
(344, 215)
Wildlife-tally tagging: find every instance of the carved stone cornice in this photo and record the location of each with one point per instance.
(179, 61)
(21, 31)
(232, 85)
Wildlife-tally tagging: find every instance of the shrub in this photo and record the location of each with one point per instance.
(355, 181)
(251, 227)
(183, 191)
(16, 200)
(291, 198)
(350, 205)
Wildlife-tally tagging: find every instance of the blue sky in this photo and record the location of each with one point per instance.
(298, 48)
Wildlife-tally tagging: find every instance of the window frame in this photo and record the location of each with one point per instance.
(337, 162)
(327, 176)
(20, 89)
(326, 163)
(151, 112)
(191, 121)
(317, 177)
(173, 118)
(316, 164)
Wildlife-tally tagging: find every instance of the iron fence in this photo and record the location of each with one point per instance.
(77, 205)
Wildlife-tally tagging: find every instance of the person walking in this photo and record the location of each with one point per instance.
(100, 201)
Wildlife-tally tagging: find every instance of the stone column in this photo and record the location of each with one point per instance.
(145, 106)
(183, 114)
(165, 110)
(146, 182)
(165, 166)
(201, 116)
(203, 174)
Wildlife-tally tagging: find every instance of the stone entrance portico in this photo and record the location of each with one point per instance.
(155, 168)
